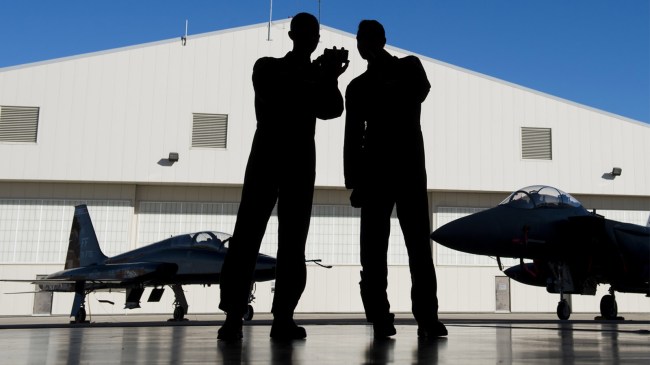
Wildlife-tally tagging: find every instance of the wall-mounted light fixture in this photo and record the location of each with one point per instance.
(173, 157)
(616, 171)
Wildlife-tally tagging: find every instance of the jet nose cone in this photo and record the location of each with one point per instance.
(445, 234)
(265, 268)
(471, 234)
(266, 262)
(451, 234)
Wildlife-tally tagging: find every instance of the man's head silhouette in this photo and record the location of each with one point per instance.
(304, 33)
(371, 39)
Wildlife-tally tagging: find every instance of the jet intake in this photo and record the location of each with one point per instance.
(133, 296)
(526, 274)
(156, 294)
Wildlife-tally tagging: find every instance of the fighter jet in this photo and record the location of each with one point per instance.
(572, 250)
(194, 258)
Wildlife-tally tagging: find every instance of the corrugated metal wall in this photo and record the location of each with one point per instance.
(114, 116)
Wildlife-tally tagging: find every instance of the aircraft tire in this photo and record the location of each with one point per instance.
(80, 317)
(608, 307)
(179, 313)
(563, 310)
(249, 313)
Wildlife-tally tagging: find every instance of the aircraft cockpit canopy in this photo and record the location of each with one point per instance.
(540, 196)
(216, 241)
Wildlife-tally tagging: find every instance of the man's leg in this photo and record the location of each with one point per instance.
(413, 214)
(294, 214)
(375, 231)
(257, 202)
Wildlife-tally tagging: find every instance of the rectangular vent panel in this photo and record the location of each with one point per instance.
(536, 144)
(209, 130)
(18, 124)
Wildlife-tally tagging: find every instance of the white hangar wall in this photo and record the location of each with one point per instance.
(473, 129)
(108, 120)
(113, 116)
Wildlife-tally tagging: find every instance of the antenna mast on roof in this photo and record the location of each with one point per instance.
(184, 38)
(270, 18)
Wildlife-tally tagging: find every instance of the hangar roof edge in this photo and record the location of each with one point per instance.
(344, 33)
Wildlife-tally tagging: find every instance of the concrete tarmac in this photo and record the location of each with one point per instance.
(331, 339)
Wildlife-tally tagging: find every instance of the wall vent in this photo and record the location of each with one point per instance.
(18, 124)
(536, 144)
(209, 130)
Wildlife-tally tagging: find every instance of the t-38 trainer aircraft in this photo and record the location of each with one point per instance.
(572, 250)
(194, 258)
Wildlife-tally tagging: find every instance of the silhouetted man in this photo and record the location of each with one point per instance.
(384, 165)
(290, 93)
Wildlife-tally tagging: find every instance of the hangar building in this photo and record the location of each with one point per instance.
(99, 128)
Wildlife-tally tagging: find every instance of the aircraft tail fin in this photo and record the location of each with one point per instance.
(83, 246)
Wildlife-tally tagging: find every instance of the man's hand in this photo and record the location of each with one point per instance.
(333, 62)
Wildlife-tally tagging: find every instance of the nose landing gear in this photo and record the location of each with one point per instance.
(251, 298)
(609, 307)
(563, 309)
(180, 303)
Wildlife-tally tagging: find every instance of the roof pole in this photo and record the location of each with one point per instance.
(270, 18)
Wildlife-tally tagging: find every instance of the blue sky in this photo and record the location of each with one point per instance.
(593, 52)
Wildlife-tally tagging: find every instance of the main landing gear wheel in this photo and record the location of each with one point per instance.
(608, 307)
(179, 313)
(563, 310)
(80, 317)
(251, 298)
(249, 313)
(180, 303)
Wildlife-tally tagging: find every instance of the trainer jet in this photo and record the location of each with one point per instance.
(194, 258)
(572, 250)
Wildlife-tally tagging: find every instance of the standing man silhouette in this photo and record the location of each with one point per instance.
(290, 93)
(384, 165)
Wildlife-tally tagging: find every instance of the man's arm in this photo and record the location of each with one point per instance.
(353, 140)
(329, 103)
(266, 76)
(418, 82)
(330, 100)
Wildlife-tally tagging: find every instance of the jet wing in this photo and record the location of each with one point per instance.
(108, 273)
(124, 272)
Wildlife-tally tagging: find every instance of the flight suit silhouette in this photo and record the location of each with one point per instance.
(384, 164)
(290, 93)
(289, 96)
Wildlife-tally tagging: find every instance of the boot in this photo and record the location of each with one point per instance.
(231, 329)
(383, 327)
(432, 329)
(286, 329)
